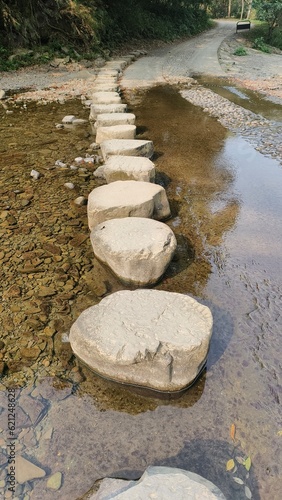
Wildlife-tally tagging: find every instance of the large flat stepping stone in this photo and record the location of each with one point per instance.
(106, 98)
(105, 87)
(127, 147)
(137, 250)
(160, 483)
(110, 119)
(108, 72)
(127, 199)
(115, 132)
(124, 168)
(117, 64)
(106, 78)
(149, 338)
(97, 109)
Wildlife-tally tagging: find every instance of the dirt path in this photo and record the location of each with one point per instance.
(212, 54)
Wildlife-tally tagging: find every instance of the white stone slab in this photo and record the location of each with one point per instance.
(127, 199)
(149, 338)
(105, 87)
(97, 109)
(137, 250)
(160, 483)
(116, 64)
(109, 119)
(115, 132)
(106, 98)
(125, 168)
(133, 147)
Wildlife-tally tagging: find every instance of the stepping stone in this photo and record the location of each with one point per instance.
(96, 109)
(160, 483)
(106, 98)
(137, 250)
(128, 168)
(106, 87)
(115, 132)
(127, 147)
(106, 79)
(150, 338)
(116, 64)
(108, 72)
(109, 119)
(127, 199)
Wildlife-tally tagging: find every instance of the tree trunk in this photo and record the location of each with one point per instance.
(249, 9)
(229, 8)
(242, 10)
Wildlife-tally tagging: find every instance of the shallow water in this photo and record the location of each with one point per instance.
(248, 99)
(227, 205)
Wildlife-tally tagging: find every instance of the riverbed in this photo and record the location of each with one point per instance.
(226, 213)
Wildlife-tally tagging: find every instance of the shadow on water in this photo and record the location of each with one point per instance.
(206, 458)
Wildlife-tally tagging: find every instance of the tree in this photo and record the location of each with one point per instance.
(271, 12)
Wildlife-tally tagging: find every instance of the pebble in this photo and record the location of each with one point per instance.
(69, 185)
(35, 174)
(27, 471)
(68, 119)
(54, 482)
(60, 164)
(80, 201)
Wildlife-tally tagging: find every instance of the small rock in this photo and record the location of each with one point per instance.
(35, 174)
(2, 94)
(54, 482)
(69, 185)
(27, 471)
(61, 164)
(79, 159)
(80, 201)
(59, 125)
(68, 119)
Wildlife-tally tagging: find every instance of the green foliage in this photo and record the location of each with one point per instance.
(240, 51)
(260, 44)
(90, 27)
(260, 30)
(271, 12)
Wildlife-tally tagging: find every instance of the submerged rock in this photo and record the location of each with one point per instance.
(149, 338)
(26, 470)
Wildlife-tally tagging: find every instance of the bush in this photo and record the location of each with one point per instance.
(240, 51)
(260, 44)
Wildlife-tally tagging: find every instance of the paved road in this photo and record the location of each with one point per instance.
(180, 60)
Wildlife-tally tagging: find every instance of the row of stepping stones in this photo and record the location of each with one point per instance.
(149, 338)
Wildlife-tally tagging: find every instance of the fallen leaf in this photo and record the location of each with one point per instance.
(238, 480)
(279, 433)
(248, 463)
(230, 464)
(232, 432)
(240, 460)
(248, 492)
